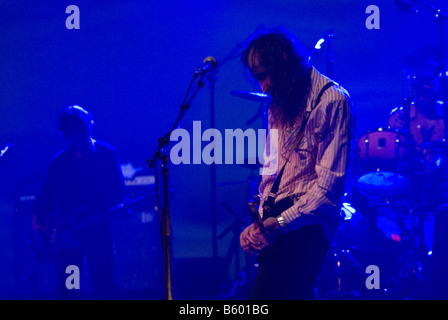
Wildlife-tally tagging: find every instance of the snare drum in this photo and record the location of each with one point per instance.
(383, 159)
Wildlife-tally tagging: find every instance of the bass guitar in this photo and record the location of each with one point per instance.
(62, 232)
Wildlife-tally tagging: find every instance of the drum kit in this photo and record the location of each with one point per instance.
(397, 187)
(395, 195)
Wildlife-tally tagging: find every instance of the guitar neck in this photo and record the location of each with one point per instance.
(253, 209)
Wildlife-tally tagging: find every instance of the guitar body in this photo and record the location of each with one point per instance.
(253, 205)
(268, 212)
(273, 212)
(64, 230)
(278, 208)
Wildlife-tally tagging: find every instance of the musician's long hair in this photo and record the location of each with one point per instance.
(290, 74)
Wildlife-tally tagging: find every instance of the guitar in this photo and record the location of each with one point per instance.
(253, 206)
(268, 212)
(61, 232)
(272, 212)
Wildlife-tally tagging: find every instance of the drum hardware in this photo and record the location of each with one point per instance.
(386, 179)
(263, 98)
(384, 174)
(356, 246)
(398, 183)
(382, 154)
(232, 253)
(343, 274)
(245, 275)
(440, 144)
(253, 96)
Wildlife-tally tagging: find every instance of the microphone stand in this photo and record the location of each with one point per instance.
(162, 155)
(213, 191)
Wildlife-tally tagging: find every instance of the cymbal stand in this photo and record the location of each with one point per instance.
(233, 251)
(418, 264)
(416, 226)
(242, 276)
(212, 78)
(262, 113)
(340, 256)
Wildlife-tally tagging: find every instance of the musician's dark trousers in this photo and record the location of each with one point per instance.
(97, 248)
(288, 269)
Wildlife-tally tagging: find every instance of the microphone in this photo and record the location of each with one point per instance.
(6, 148)
(326, 37)
(208, 64)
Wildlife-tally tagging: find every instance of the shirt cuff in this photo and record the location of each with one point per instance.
(296, 220)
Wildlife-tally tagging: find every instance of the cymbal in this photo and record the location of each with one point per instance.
(435, 144)
(253, 96)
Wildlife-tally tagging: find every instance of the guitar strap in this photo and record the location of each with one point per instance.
(270, 201)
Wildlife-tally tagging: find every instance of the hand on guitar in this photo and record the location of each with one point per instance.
(254, 238)
(44, 231)
(37, 227)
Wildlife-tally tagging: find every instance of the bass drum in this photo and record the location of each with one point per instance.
(382, 163)
(361, 242)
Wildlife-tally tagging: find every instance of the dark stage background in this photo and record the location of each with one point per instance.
(130, 64)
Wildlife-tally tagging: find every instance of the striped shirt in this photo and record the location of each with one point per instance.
(317, 169)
